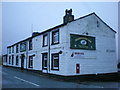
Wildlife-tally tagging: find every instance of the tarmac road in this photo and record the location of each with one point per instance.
(13, 78)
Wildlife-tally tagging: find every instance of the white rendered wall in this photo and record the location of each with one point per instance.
(93, 61)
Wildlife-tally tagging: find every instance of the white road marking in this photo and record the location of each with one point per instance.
(26, 81)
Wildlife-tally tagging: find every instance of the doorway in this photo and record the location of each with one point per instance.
(22, 61)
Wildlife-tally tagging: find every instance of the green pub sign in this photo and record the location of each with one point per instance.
(82, 42)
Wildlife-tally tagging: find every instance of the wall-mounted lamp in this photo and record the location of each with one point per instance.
(33, 55)
(60, 52)
(72, 55)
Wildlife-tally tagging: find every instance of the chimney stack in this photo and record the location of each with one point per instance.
(35, 34)
(68, 16)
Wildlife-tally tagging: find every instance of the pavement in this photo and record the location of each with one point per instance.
(14, 78)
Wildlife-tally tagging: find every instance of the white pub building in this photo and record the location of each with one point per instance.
(82, 46)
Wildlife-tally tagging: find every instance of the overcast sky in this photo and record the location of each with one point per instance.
(17, 17)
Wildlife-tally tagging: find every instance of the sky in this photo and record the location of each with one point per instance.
(18, 17)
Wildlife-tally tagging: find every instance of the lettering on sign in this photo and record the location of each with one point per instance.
(77, 54)
(110, 51)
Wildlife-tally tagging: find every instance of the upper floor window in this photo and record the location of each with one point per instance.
(30, 44)
(13, 49)
(55, 37)
(16, 48)
(45, 40)
(23, 46)
(9, 49)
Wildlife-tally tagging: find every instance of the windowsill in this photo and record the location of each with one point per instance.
(44, 45)
(23, 51)
(44, 68)
(55, 43)
(55, 69)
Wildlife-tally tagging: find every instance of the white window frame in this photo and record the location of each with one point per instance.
(9, 49)
(12, 49)
(30, 59)
(55, 37)
(17, 48)
(30, 44)
(44, 60)
(45, 40)
(17, 60)
(53, 60)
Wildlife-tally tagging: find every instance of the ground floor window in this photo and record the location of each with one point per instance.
(5, 59)
(44, 60)
(55, 61)
(30, 61)
(9, 60)
(17, 60)
(12, 59)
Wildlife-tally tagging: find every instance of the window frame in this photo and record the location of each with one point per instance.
(17, 48)
(9, 60)
(30, 66)
(53, 32)
(30, 44)
(45, 35)
(17, 60)
(52, 61)
(4, 58)
(12, 59)
(44, 61)
(9, 49)
(21, 45)
(12, 49)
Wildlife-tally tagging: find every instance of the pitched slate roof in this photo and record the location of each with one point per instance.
(58, 26)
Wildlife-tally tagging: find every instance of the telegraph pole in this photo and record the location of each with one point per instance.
(31, 28)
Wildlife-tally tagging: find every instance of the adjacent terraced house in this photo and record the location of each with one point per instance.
(82, 46)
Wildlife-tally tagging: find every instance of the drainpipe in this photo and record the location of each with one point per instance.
(48, 52)
(7, 57)
(26, 53)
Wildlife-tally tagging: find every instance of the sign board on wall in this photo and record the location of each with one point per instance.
(83, 55)
(77, 55)
(82, 42)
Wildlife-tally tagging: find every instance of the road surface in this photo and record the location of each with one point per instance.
(13, 78)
